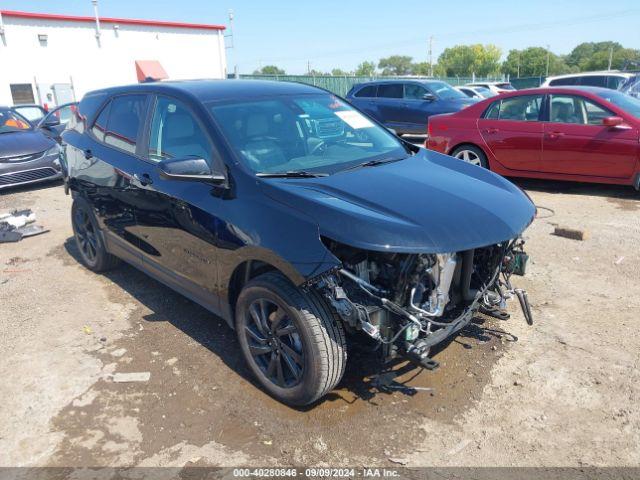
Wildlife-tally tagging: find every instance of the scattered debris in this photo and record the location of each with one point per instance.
(131, 377)
(572, 233)
(399, 461)
(267, 442)
(17, 225)
(385, 383)
(619, 261)
(171, 361)
(87, 329)
(119, 352)
(103, 339)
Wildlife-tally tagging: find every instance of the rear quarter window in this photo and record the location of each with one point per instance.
(367, 92)
(87, 108)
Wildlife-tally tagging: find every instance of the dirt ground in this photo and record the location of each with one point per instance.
(564, 392)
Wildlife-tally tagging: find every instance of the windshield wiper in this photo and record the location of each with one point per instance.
(373, 163)
(291, 174)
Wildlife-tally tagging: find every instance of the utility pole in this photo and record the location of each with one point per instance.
(610, 57)
(548, 55)
(308, 67)
(518, 64)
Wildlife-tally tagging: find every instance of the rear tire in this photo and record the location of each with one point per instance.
(471, 154)
(88, 237)
(290, 339)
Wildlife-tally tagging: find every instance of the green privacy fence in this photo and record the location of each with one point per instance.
(340, 85)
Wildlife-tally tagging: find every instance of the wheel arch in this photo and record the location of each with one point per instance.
(471, 144)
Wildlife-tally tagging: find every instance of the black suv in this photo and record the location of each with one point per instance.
(293, 216)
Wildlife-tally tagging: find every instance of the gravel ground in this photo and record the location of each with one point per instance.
(561, 393)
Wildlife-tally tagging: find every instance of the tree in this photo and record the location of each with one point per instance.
(464, 60)
(338, 72)
(421, 68)
(269, 70)
(595, 56)
(365, 69)
(396, 65)
(532, 62)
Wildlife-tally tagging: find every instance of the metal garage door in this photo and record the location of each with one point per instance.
(22, 93)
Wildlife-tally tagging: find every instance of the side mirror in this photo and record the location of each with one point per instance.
(612, 122)
(189, 168)
(429, 97)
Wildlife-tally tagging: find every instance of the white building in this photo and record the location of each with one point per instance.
(53, 59)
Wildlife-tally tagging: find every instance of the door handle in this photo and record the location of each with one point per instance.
(554, 135)
(88, 154)
(143, 179)
(492, 130)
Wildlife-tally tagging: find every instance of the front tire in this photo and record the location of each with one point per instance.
(290, 339)
(471, 154)
(86, 232)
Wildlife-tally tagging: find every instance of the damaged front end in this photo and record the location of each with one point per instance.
(410, 302)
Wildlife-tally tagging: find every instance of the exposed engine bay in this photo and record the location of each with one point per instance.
(410, 302)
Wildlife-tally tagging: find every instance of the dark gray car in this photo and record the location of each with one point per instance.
(26, 154)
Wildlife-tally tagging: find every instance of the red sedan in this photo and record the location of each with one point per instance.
(581, 134)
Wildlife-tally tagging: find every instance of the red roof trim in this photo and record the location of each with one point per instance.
(124, 21)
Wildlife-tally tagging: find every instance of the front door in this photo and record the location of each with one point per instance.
(179, 234)
(513, 133)
(391, 105)
(577, 143)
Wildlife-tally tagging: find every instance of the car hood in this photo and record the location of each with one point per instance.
(14, 144)
(428, 203)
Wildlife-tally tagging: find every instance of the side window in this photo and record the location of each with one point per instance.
(525, 108)
(414, 92)
(390, 90)
(564, 81)
(175, 133)
(368, 91)
(615, 82)
(577, 110)
(125, 116)
(100, 125)
(594, 81)
(493, 111)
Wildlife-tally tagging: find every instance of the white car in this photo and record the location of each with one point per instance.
(495, 87)
(479, 93)
(612, 79)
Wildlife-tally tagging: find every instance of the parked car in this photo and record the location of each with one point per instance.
(406, 105)
(495, 87)
(33, 113)
(584, 134)
(609, 79)
(479, 93)
(232, 193)
(54, 122)
(26, 154)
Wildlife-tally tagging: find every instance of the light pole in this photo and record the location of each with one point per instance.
(97, 17)
(548, 55)
(232, 44)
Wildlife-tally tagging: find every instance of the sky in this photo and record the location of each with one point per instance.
(331, 34)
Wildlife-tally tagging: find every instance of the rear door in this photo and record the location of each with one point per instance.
(108, 170)
(512, 131)
(576, 142)
(173, 218)
(391, 109)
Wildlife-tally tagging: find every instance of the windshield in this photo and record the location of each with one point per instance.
(445, 91)
(627, 103)
(485, 92)
(12, 122)
(310, 133)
